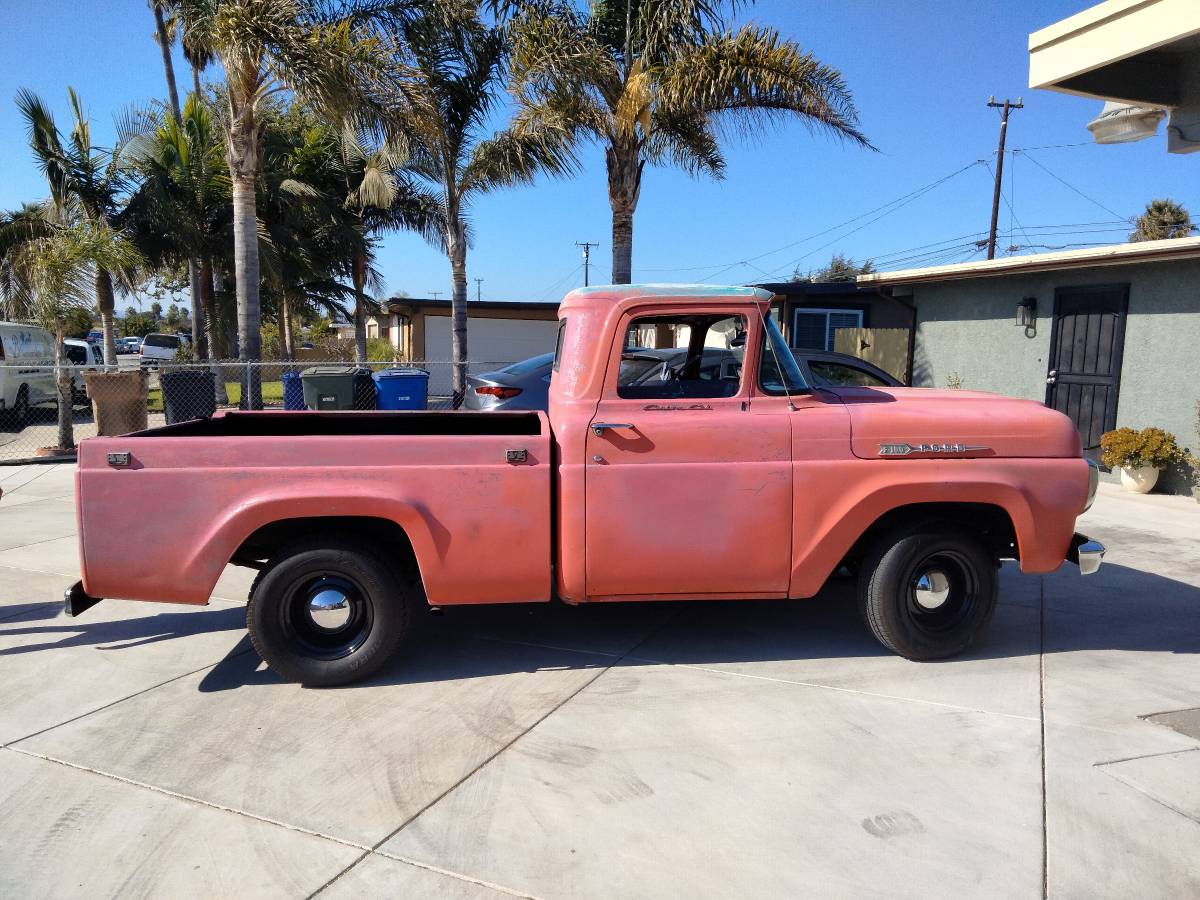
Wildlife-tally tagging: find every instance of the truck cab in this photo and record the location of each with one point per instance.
(683, 457)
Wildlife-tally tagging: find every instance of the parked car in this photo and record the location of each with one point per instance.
(157, 348)
(130, 345)
(26, 371)
(746, 483)
(523, 385)
(526, 384)
(95, 336)
(829, 369)
(84, 357)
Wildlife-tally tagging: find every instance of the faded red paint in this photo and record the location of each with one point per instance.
(748, 496)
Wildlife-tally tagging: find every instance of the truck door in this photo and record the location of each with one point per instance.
(688, 487)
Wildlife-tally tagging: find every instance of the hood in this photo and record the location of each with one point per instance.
(923, 423)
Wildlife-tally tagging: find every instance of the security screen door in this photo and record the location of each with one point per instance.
(1086, 344)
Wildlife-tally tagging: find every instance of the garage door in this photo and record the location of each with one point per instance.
(491, 344)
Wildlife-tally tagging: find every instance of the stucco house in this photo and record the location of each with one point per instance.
(1108, 335)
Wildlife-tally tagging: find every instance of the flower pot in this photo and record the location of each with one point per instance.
(1140, 480)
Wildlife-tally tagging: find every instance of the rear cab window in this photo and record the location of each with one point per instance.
(676, 356)
(168, 341)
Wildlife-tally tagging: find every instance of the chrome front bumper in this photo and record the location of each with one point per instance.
(1085, 553)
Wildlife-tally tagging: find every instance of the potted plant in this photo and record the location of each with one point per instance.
(1139, 455)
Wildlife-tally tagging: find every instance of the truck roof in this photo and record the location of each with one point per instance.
(618, 293)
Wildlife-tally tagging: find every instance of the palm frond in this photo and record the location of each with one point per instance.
(751, 75)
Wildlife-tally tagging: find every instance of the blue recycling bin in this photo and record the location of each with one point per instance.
(402, 388)
(293, 391)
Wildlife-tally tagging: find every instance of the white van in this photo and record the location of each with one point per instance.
(26, 370)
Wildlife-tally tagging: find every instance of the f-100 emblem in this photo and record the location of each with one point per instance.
(908, 449)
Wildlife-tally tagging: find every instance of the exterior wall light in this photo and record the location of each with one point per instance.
(1027, 312)
(1027, 316)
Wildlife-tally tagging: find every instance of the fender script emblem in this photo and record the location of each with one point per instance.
(906, 449)
(674, 407)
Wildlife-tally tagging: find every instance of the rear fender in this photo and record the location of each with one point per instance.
(203, 566)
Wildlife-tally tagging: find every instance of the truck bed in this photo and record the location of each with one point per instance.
(162, 523)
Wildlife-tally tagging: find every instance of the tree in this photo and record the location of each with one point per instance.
(452, 94)
(181, 211)
(840, 268)
(84, 180)
(1162, 219)
(156, 310)
(137, 324)
(165, 22)
(652, 81)
(265, 46)
(53, 277)
(78, 322)
(380, 195)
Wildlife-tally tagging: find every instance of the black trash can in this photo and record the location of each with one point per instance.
(188, 394)
(338, 387)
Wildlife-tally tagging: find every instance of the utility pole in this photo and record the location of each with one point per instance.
(1005, 107)
(478, 282)
(436, 294)
(587, 257)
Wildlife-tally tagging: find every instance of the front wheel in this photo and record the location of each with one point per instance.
(927, 592)
(325, 612)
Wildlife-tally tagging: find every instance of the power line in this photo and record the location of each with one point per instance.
(557, 284)
(1072, 187)
(903, 200)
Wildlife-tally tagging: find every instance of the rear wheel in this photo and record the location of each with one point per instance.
(325, 612)
(19, 414)
(926, 592)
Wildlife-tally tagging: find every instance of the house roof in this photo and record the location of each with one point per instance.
(409, 302)
(1126, 50)
(1090, 257)
(815, 288)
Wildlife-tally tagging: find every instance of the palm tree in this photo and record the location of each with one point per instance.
(84, 180)
(264, 47)
(653, 80)
(53, 275)
(453, 93)
(181, 209)
(166, 21)
(1162, 219)
(380, 195)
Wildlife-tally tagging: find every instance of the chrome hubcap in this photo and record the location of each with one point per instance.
(329, 608)
(931, 588)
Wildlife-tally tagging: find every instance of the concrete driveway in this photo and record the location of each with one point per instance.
(686, 750)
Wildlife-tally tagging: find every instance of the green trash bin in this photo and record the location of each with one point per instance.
(337, 387)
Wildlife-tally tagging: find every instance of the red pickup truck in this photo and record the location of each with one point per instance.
(719, 475)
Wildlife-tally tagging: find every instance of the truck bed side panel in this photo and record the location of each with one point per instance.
(164, 527)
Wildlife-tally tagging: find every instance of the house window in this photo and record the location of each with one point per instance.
(813, 329)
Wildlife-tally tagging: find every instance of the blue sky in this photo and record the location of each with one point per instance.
(920, 73)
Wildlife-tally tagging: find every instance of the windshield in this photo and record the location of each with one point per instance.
(778, 373)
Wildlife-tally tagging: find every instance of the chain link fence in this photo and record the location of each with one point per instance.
(146, 394)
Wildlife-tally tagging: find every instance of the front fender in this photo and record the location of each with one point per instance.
(837, 505)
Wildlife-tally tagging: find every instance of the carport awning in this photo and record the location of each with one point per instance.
(1136, 51)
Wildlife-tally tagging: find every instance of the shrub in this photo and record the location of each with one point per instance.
(1132, 449)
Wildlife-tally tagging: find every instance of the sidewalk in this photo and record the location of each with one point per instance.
(757, 749)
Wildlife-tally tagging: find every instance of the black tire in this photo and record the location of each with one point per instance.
(288, 637)
(942, 614)
(19, 415)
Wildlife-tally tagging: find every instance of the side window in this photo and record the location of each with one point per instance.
(682, 357)
(831, 374)
(562, 330)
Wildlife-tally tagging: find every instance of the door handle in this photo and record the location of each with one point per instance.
(1052, 377)
(598, 428)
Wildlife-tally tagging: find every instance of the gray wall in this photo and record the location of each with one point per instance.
(967, 327)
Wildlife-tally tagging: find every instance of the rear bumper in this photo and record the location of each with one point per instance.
(77, 600)
(1085, 553)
